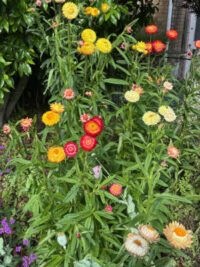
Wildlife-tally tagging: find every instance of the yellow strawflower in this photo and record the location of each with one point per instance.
(88, 35)
(151, 118)
(163, 109)
(105, 7)
(87, 48)
(70, 10)
(104, 45)
(57, 107)
(95, 12)
(132, 96)
(133, 47)
(56, 154)
(88, 10)
(50, 118)
(140, 47)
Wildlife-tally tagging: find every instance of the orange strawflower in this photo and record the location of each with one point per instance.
(50, 118)
(56, 154)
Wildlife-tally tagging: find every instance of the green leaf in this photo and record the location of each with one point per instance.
(116, 81)
(71, 194)
(173, 197)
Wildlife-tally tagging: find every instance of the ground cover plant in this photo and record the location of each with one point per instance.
(99, 185)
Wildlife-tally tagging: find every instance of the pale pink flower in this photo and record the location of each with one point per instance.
(123, 46)
(38, 3)
(80, 43)
(84, 117)
(128, 29)
(173, 152)
(6, 129)
(26, 123)
(32, 9)
(108, 208)
(189, 53)
(89, 93)
(163, 163)
(54, 24)
(96, 170)
(68, 93)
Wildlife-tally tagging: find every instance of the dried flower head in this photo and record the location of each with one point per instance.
(148, 233)
(136, 245)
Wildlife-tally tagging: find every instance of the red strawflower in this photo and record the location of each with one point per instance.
(99, 121)
(172, 34)
(197, 44)
(149, 47)
(115, 189)
(88, 142)
(92, 128)
(158, 46)
(108, 208)
(71, 149)
(151, 29)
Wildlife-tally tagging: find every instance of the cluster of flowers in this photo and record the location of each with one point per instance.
(87, 46)
(176, 234)
(167, 112)
(28, 260)
(6, 229)
(93, 11)
(134, 94)
(25, 124)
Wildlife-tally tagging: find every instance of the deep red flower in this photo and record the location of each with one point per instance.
(115, 189)
(92, 128)
(149, 47)
(197, 44)
(158, 46)
(151, 29)
(99, 121)
(71, 149)
(88, 142)
(172, 34)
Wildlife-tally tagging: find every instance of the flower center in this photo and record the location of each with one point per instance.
(71, 10)
(56, 151)
(151, 115)
(150, 228)
(49, 116)
(180, 231)
(137, 242)
(115, 188)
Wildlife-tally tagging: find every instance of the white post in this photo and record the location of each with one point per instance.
(169, 17)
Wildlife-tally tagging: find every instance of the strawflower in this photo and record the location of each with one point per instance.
(84, 117)
(178, 236)
(88, 10)
(163, 109)
(26, 123)
(151, 118)
(149, 47)
(151, 29)
(95, 12)
(57, 107)
(108, 208)
(88, 142)
(170, 116)
(128, 29)
(132, 96)
(68, 93)
(61, 239)
(50, 118)
(88, 35)
(54, 24)
(92, 128)
(136, 245)
(163, 163)
(105, 7)
(197, 44)
(87, 48)
(115, 189)
(148, 233)
(168, 85)
(104, 45)
(173, 152)
(158, 46)
(140, 47)
(71, 149)
(70, 10)
(172, 34)
(59, 1)
(6, 129)
(56, 154)
(99, 121)
(38, 3)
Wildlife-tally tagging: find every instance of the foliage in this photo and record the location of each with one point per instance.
(194, 5)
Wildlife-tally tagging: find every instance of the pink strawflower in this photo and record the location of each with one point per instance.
(54, 24)
(32, 9)
(108, 208)
(163, 163)
(128, 29)
(123, 46)
(26, 123)
(189, 53)
(80, 43)
(104, 187)
(96, 170)
(78, 235)
(68, 94)
(6, 129)
(38, 3)
(84, 117)
(115, 189)
(71, 149)
(173, 152)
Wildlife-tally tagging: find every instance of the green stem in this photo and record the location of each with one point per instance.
(69, 46)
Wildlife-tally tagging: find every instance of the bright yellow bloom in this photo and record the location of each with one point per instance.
(134, 47)
(104, 8)
(163, 109)
(56, 154)
(140, 47)
(87, 48)
(148, 233)
(70, 10)
(178, 236)
(95, 12)
(104, 45)
(88, 10)
(132, 96)
(57, 107)
(88, 35)
(151, 118)
(50, 118)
